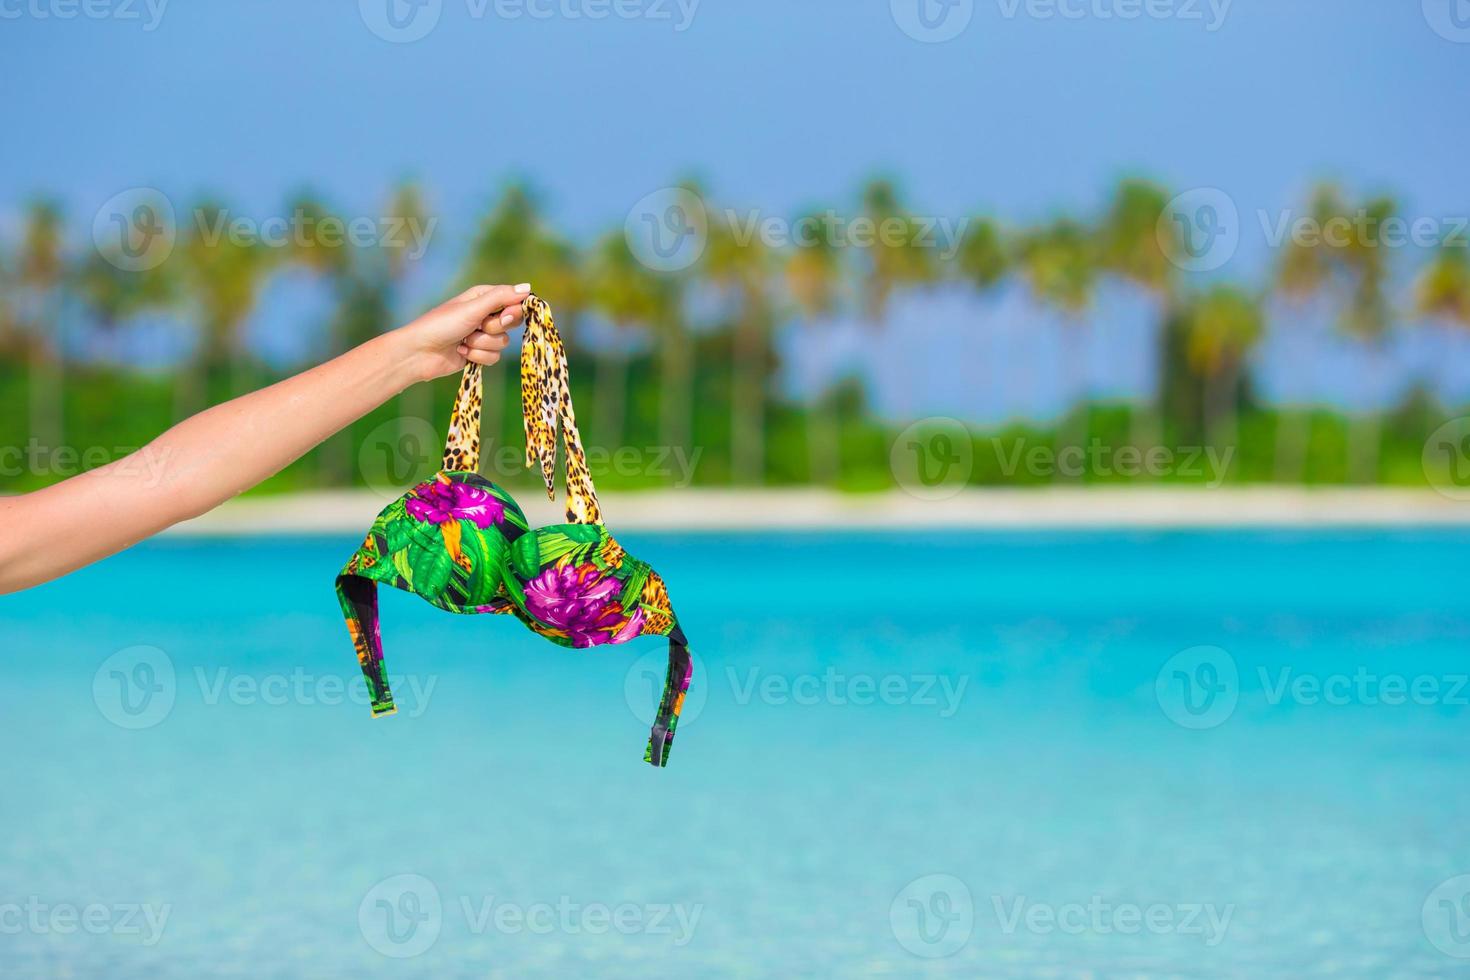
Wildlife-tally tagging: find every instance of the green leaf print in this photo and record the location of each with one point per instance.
(633, 586)
(427, 569)
(486, 554)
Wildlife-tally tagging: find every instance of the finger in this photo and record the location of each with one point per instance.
(479, 340)
(507, 319)
(480, 304)
(482, 356)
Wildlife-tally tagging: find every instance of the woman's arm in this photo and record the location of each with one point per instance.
(205, 460)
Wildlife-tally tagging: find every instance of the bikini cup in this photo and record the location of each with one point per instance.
(462, 543)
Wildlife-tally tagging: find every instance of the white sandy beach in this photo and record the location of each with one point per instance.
(741, 510)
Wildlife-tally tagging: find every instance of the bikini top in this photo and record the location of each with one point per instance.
(461, 542)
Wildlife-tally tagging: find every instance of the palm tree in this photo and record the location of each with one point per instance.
(740, 266)
(1129, 248)
(813, 274)
(899, 256)
(407, 208)
(358, 288)
(676, 363)
(1347, 261)
(223, 275)
(983, 259)
(1221, 327)
(1059, 261)
(113, 294)
(1443, 287)
(1303, 272)
(627, 294)
(41, 274)
(1442, 291)
(514, 244)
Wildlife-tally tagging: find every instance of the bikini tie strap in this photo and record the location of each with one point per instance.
(676, 687)
(462, 445)
(546, 401)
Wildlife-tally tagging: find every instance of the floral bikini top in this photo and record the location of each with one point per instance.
(461, 543)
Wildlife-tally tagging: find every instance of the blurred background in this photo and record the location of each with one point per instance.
(934, 264)
(776, 237)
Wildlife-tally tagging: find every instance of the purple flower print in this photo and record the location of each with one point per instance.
(438, 501)
(579, 600)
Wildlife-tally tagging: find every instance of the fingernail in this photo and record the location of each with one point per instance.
(524, 287)
(507, 319)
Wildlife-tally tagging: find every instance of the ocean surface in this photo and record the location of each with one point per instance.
(1025, 755)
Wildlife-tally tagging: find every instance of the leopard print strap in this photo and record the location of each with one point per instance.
(546, 401)
(462, 447)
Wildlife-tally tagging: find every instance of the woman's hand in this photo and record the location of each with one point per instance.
(472, 326)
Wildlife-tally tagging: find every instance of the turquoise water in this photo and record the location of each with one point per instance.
(1001, 755)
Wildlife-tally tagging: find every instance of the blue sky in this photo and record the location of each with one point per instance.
(777, 106)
